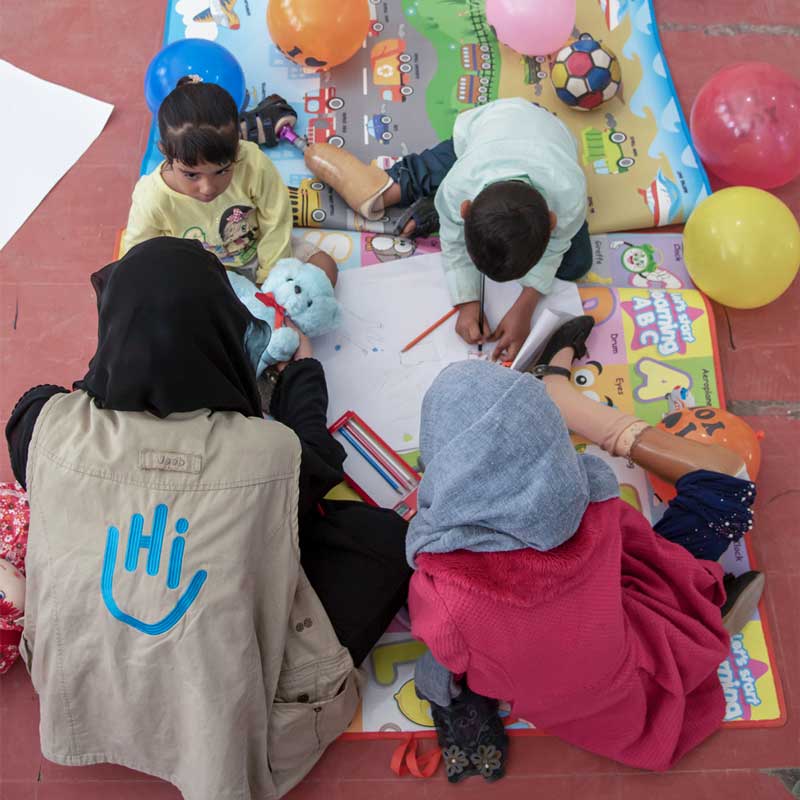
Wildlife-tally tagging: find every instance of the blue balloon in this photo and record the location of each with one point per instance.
(211, 61)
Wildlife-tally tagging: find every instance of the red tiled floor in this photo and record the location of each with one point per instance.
(15, 790)
(102, 48)
(118, 790)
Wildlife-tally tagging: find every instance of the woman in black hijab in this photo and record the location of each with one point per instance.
(173, 337)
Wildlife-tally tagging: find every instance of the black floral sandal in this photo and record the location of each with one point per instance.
(472, 737)
(424, 213)
(572, 333)
(263, 123)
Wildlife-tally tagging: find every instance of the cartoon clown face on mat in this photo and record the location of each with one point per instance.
(643, 261)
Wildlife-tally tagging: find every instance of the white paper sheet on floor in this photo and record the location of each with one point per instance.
(385, 307)
(45, 130)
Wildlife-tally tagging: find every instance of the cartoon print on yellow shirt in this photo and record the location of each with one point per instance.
(238, 229)
(238, 232)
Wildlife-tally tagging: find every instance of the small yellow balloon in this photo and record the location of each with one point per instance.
(742, 247)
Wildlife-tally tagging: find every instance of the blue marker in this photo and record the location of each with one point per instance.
(370, 460)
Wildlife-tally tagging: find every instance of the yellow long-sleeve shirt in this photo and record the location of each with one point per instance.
(248, 227)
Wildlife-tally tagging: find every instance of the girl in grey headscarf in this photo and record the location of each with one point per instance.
(538, 585)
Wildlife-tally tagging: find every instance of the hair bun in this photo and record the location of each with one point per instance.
(187, 79)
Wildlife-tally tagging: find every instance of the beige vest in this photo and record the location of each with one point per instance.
(169, 627)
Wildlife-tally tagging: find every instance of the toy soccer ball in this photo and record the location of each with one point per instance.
(585, 74)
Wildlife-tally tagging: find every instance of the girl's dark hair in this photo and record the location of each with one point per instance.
(198, 122)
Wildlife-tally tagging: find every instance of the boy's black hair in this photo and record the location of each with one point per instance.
(507, 229)
(198, 122)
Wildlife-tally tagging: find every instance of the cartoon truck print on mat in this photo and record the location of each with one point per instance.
(325, 101)
(375, 26)
(322, 124)
(306, 202)
(603, 150)
(535, 72)
(535, 69)
(323, 129)
(391, 65)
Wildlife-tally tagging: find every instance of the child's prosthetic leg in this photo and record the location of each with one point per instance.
(667, 456)
(671, 457)
(361, 185)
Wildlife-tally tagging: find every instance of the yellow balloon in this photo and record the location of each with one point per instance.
(742, 247)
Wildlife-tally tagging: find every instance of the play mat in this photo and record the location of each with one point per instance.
(642, 172)
(427, 60)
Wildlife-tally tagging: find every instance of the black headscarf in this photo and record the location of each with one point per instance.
(170, 334)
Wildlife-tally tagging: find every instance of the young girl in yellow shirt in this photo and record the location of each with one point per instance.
(215, 188)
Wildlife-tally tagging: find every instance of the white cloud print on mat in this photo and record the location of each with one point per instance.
(202, 18)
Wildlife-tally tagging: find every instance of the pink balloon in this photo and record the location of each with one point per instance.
(746, 125)
(532, 27)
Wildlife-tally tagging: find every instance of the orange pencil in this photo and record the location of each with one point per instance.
(430, 330)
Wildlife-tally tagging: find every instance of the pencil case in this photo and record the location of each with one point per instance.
(373, 469)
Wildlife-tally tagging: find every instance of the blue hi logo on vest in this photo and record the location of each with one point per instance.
(154, 544)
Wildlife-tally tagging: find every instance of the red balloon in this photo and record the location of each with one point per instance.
(746, 125)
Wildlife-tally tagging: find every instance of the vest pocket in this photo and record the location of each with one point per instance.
(299, 732)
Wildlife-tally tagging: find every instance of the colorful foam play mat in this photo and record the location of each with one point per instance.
(424, 62)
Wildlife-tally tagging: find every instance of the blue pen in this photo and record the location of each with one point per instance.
(370, 460)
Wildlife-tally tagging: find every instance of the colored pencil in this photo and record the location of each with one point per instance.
(431, 329)
(480, 315)
(378, 452)
(369, 459)
(372, 449)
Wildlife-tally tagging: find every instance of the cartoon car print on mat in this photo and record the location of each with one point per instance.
(220, 12)
(603, 150)
(306, 202)
(378, 128)
(663, 199)
(391, 66)
(323, 102)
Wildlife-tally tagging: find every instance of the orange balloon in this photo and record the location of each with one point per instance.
(711, 426)
(318, 34)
